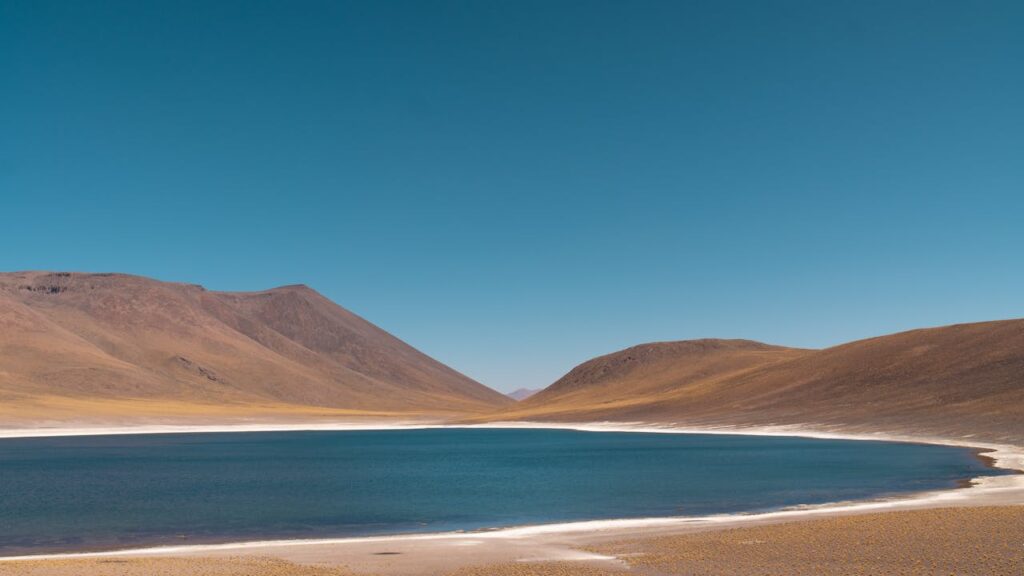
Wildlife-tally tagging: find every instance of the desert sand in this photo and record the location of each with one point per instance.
(961, 541)
(170, 567)
(981, 541)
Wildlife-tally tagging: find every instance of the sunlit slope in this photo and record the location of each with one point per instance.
(953, 380)
(99, 343)
(638, 379)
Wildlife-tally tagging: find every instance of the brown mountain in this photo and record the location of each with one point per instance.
(955, 380)
(637, 379)
(79, 346)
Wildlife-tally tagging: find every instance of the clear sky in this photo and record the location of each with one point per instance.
(515, 187)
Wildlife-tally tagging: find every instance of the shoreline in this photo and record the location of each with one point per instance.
(981, 491)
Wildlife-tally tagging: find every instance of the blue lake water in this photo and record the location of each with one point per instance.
(99, 492)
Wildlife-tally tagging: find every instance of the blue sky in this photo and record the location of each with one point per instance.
(515, 187)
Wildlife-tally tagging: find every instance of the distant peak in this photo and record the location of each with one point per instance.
(292, 287)
(48, 282)
(696, 346)
(523, 393)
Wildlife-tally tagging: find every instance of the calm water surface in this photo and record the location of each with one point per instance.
(99, 492)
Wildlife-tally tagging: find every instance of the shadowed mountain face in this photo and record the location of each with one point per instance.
(954, 380)
(76, 344)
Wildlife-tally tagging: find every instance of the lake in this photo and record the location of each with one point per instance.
(101, 492)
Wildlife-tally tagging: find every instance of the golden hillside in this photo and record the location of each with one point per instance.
(953, 380)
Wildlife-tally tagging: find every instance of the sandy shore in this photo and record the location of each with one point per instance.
(611, 546)
(236, 566)
(963, 541)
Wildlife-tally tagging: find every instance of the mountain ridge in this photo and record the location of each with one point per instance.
(106, 347)
(957, 380)
(115, 336)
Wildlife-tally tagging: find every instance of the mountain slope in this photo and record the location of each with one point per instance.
(952, 380)
(100, 343)
(646, 376)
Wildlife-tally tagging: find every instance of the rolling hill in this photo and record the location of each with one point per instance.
(966, 379)
(77, 346)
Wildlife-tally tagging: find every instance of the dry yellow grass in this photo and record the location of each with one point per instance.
(43, 408)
